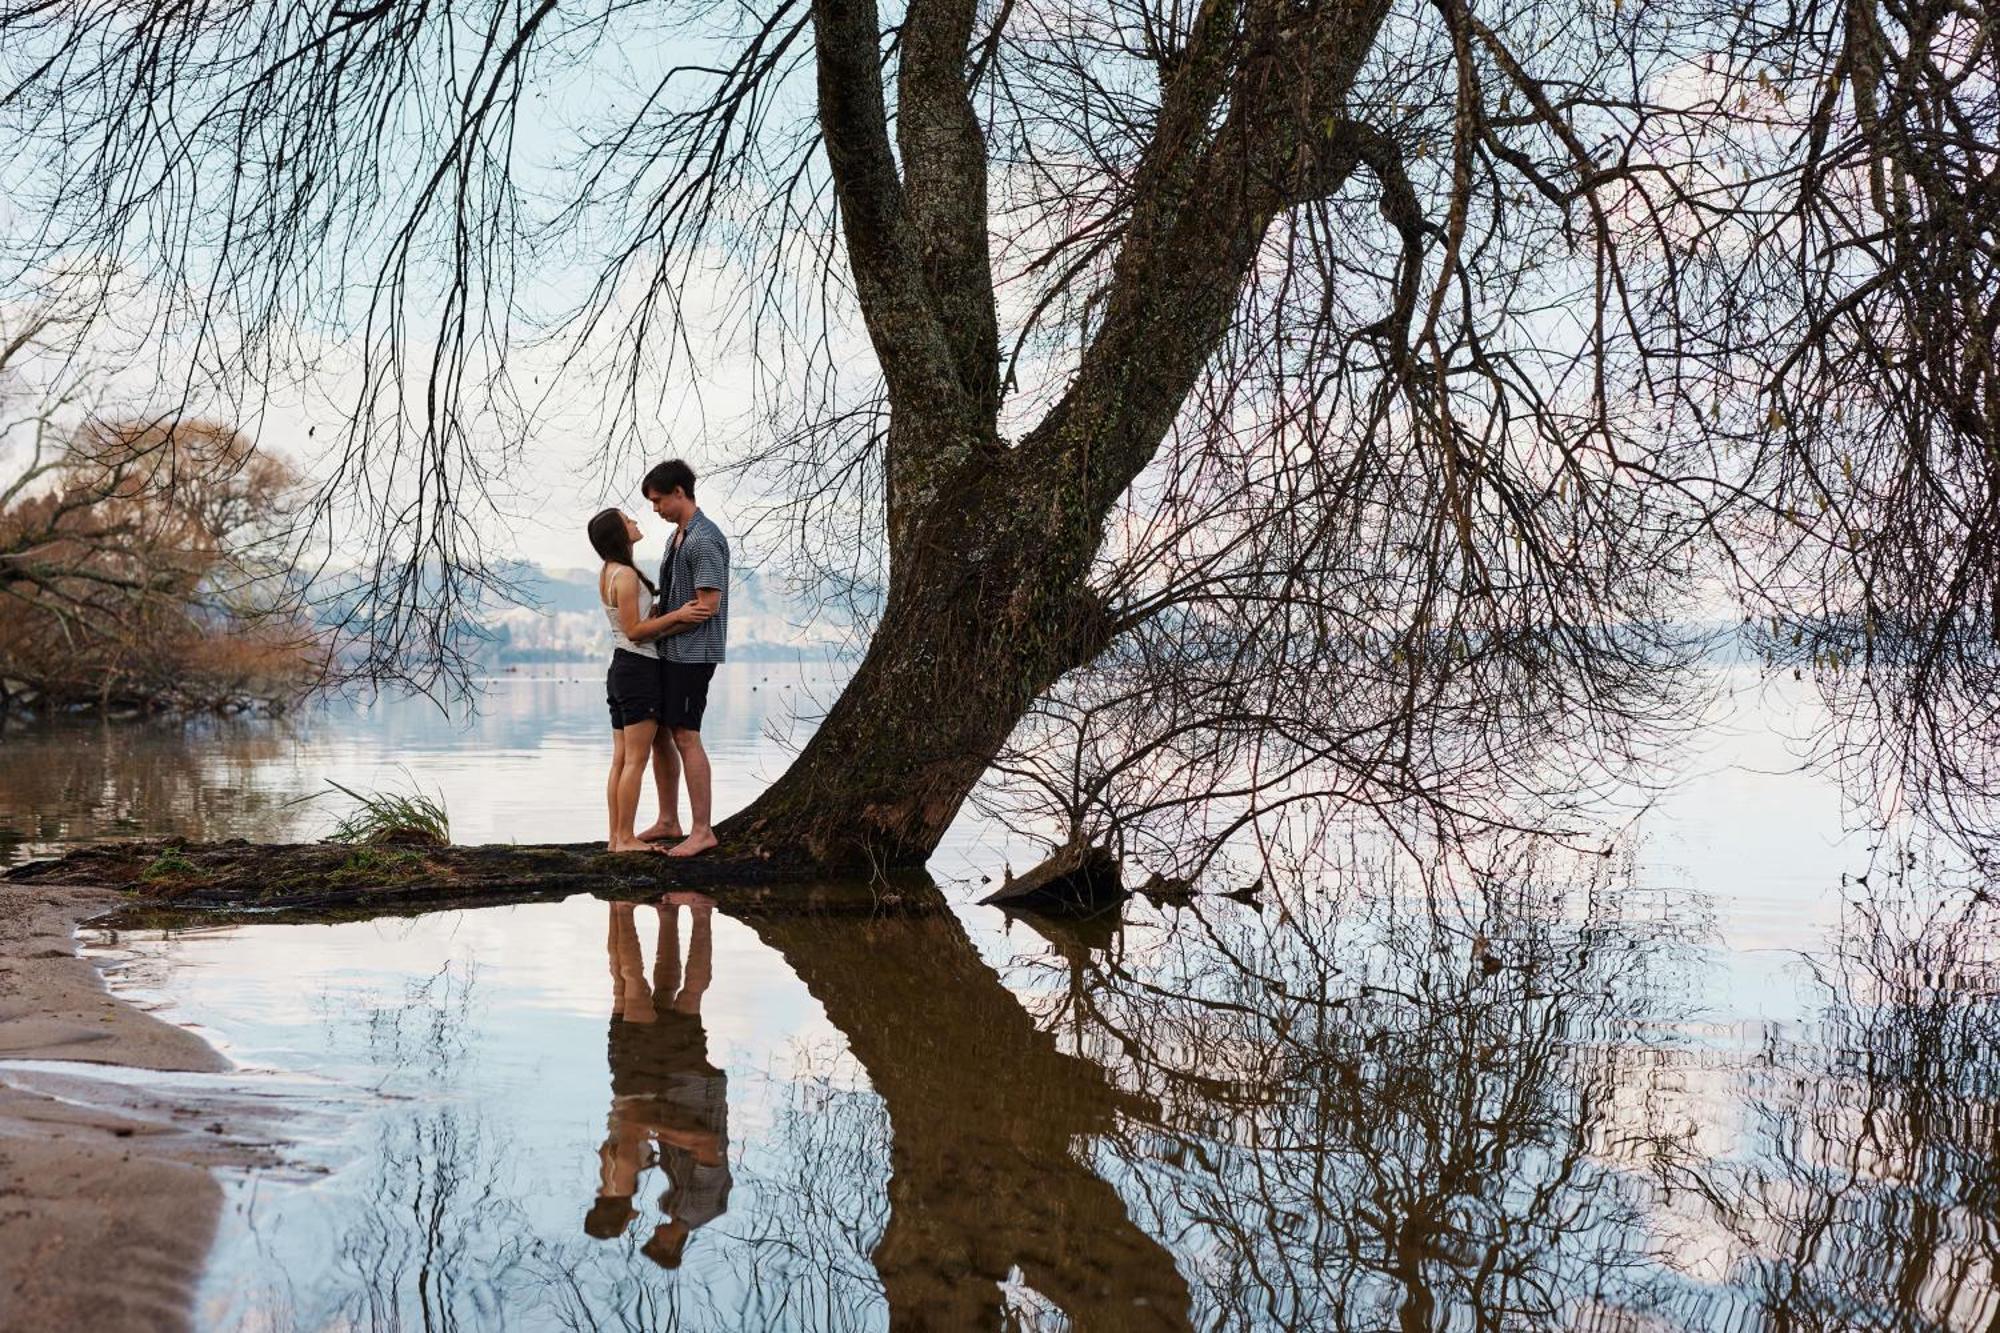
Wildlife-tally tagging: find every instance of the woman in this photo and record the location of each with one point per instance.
(632, 688)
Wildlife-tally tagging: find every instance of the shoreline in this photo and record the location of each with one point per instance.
(109, 1202)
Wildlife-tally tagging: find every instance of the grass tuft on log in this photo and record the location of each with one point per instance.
(393, 819)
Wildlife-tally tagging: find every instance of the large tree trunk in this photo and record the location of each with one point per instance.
(987, 608)
(990, 547)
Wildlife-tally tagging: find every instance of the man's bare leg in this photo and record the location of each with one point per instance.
(694, 763)
(667, 786)
(701, 959)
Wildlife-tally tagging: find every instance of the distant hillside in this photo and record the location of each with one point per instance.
(561, 619)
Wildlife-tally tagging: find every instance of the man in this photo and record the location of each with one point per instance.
(695, 568)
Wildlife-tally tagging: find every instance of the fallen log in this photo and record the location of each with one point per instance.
(322, 881)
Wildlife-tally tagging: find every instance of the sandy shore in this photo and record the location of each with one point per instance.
(107, 1202)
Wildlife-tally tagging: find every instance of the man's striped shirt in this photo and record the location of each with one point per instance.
(700, 559)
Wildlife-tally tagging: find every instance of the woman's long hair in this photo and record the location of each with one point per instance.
(610, 540)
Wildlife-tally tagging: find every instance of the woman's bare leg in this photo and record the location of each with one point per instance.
(611, 787)
(638, 748)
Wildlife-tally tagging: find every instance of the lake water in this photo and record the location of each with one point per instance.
(1710, 1080)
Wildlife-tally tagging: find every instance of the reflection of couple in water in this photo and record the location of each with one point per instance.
(669, 1105)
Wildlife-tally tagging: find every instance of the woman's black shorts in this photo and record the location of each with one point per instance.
(632, 688)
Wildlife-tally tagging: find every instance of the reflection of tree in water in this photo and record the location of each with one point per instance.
(1353, 1116)
(1359, 1108)
(1869, 1195)
(1351, 1113)
(69, 781)
(989, 1194)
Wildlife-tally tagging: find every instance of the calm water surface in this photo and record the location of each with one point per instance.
(1707, 1081)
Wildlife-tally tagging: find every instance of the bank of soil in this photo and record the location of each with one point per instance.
(107, 1201)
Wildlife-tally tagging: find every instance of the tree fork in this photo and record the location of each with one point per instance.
(987, 608)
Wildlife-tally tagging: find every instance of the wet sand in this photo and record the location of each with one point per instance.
(107, 1202)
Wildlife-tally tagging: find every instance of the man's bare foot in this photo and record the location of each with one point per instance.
(694, 844)
(661, 831)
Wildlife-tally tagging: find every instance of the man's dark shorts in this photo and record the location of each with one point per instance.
(632, 689)
(684, 693)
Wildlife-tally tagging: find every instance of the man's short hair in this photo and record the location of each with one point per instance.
(668, 475)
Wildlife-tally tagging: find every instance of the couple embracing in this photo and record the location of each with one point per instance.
(667, 638)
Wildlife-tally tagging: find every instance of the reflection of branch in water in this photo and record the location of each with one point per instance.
(442, 1225)
(1872, 1200)
(987, 1115)
(1370, 1119)
(1909, 682)
(827, 1161)
(425, 1031)
(438, 1232)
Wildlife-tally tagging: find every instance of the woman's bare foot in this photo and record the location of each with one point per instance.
(633, 845)
(661, 831)
(695, 843)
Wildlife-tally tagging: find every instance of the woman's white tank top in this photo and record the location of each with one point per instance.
(618, 636)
